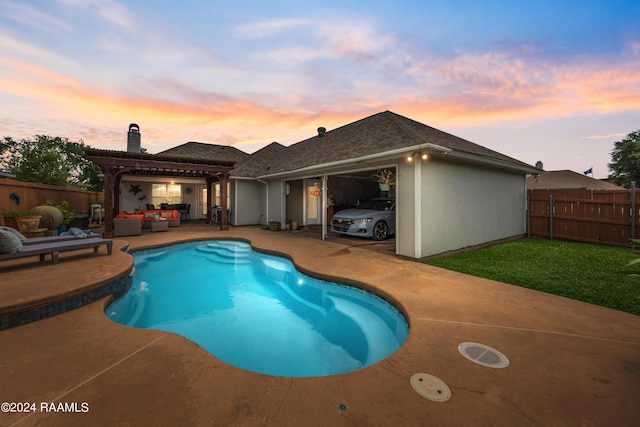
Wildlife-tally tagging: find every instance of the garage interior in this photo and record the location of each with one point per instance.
(345, 191)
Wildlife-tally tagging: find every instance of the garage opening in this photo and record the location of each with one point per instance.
(347, 191)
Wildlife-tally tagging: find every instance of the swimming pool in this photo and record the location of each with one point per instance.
(257, 312)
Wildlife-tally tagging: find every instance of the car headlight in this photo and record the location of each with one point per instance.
(362, 220)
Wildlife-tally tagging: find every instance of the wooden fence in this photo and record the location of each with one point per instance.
(592, 216)
(31, 195)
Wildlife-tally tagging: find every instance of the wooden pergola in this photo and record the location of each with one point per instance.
(115, 164)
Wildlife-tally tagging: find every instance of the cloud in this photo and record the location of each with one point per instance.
(26, 15)
(269, 28)
(497, 86)
(355, 41)
(110, 11)
(613, 135)
(280, 79)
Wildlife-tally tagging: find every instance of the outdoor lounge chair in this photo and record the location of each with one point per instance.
(54, 248)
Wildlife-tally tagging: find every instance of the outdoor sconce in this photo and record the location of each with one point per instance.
(423, 156)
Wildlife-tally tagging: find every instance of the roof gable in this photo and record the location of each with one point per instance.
(201, 150)
(259, 163)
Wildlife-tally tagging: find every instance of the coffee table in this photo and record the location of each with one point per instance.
(160, 225)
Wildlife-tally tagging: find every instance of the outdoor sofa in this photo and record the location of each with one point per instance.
(126, 224)
(149, 215)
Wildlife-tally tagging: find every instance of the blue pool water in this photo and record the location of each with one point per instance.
(257, 312)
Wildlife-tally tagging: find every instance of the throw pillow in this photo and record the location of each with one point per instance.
(14, 231)
(9, 242)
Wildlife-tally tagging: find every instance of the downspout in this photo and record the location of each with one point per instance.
(234, 211)
(266, 200)
(324, 206)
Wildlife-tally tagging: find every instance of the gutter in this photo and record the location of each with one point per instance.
(494, 162)
(363, 159)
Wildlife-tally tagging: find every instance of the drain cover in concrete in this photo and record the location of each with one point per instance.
(430, 387)
(483, 355)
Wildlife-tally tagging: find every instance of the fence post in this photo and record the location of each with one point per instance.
(528, 223)
(551, 217)
(633, 213)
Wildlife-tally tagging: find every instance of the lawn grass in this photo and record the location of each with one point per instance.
(592, 273)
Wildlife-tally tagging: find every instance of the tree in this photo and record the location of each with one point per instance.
(48, 160)
(625, 160)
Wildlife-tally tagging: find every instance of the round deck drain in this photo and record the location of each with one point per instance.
(430, 387)
(483, 355)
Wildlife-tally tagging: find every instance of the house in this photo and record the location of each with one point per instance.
(460, 195)
(566, 179)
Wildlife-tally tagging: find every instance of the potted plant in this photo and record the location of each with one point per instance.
(67, 213)
(23, 221)
(386, 178)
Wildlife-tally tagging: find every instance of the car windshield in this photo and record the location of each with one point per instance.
(377, 204)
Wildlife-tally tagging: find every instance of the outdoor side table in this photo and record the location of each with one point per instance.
(160, 225)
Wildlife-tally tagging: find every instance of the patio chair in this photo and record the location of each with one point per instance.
(54, 248)
(185, 211)
(127, 226)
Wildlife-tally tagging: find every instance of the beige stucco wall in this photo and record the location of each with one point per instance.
(465, 205)
(250, 202)
(276, 201)
(295, 201)
(405, 210)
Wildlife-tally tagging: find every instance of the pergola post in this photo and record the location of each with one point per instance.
(224, 180)
(209, 199)
(108, 203)
(116, 193)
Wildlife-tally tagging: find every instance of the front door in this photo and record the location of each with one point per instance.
(313, 202)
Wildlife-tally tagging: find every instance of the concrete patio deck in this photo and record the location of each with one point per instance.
(571, 363)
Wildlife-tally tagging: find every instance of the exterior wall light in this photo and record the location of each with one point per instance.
(423, 156)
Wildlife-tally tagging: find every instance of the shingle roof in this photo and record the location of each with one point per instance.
(259, 163)
(567, 179)
(200, 150)
(376, 134)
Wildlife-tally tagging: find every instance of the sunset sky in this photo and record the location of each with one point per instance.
(556, 81)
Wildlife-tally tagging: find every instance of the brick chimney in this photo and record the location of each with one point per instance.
(133, 139)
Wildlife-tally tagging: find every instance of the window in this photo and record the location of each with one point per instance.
(166, 193)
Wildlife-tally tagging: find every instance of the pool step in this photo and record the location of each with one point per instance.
(227, 252)
(228, 260)
(376, 331)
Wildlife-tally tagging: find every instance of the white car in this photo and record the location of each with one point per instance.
(375, 218)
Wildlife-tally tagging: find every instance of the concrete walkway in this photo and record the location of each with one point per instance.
(571, 363)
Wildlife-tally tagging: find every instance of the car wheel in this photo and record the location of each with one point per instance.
(380, 231)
